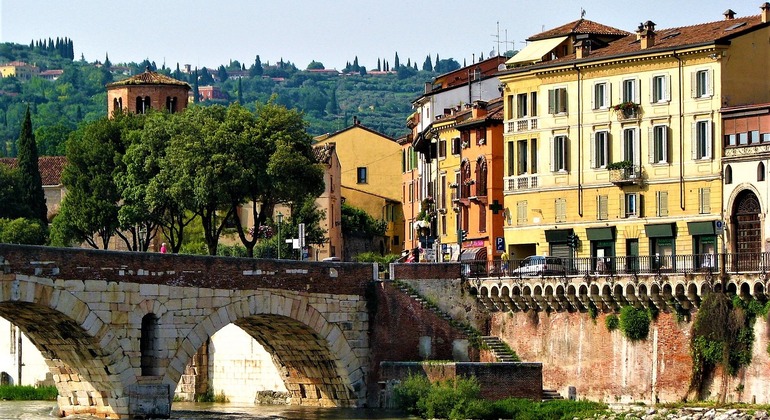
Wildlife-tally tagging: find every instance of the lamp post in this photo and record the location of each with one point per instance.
(280, 220)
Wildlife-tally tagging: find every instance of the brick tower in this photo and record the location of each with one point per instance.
(148, 90)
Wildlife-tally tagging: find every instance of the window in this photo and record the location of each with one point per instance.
(631, 204)
(521, 105)
(481, 176)
(704, 200)
(456, 146)
(765, 137)
(533, 104)
(557, 101)
(730, 139)
(533, 156)
(659, 144)
(511, 159)
(442, 148)
(171, 104)
(521, 212)
(509, 110)
(602, 207)
(761, 171)
(659, 89)
(411, 230)
(701, 84)
(601, 96)
(631, 90)
(743, 139)
(559, 154)
(661, 203)
(148, 345)
(631, 146)
(482, 218)
(701, 149)
(411, 192)
(560, 205)
(728, 175)
(521, 161)
(754, 137)
(600, 149)
(361, 175)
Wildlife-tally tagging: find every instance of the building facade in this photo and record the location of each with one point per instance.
(149, 90)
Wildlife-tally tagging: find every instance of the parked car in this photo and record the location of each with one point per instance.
(539, 265)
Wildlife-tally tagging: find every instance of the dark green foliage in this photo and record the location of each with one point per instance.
(23, 231)
(28, 393)
(31, 184)
(11, 204)
(635, 323)
(612, 322)
(459, 399)
(593, 311)
(357, 221)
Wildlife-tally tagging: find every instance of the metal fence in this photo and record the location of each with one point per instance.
(625, 265)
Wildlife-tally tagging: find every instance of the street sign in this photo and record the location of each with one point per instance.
(719, 227)
(500, 244)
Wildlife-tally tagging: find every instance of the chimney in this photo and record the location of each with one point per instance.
(729, 14)
(479, 109)
(765, 12)
(646, 34)
(355, 120)
(582, 48)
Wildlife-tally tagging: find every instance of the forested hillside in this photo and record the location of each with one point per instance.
(380, 99)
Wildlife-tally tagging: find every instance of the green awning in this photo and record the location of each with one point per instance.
(701, 228)
(557, 235)
(601, 234)
(661, 230)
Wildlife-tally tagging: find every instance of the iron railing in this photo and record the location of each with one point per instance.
(626, 265)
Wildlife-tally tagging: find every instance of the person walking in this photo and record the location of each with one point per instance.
(163, 248)
(505, 259)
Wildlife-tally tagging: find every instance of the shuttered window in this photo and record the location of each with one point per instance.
(521, 212)
(704, 200)
(661, 203)
(602, 207)
(561, 210)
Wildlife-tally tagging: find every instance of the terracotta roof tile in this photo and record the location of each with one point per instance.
(51, 168)
(580, 26)
(323, 153)
(148, 78)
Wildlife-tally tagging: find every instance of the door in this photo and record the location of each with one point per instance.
(632, 255)
(748, 232)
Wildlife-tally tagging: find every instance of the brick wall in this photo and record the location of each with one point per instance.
(418, 271)
(497, 380)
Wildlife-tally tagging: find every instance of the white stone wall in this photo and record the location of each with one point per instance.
(34, 368)
(239, 366)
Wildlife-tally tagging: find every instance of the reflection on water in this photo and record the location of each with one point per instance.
(45, 410)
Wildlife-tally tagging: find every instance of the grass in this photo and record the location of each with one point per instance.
(28, 393)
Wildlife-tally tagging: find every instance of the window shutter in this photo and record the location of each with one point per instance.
(639, 205)
(551, 101)
(710, 82)
(709, 141)
(622, 206)
(694, 142)
(705, 200)
(637, 148)
(662, 203)
(606, 146)
(652, 90)
(553, 154)
(666, 144)
(566, 153)
(608, 95)
(593, 97)
(694, 84)
(638, 91)
(594, 140)
(667, 88)
(651, 145)
(563, 100)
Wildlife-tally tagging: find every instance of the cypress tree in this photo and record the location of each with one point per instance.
(196, 92)
(379, 68)
(240, 91)
(427, 65)
(396, 63)
(31, 182)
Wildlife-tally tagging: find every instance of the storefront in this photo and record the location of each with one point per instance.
(662, 245)
(704, 244)
(602, 249)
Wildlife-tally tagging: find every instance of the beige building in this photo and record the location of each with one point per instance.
(19, 70)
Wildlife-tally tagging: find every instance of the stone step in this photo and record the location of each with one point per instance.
(551, 394)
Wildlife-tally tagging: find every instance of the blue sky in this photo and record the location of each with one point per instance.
(210, 33)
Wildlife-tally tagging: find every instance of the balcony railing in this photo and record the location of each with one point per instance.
(624, 176)
(627, 265)
(521, 182)
(520, 125)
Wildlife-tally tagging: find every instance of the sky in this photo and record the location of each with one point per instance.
(334, 32)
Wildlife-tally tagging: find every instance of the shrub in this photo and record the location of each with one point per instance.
(28, 393)
(612, 322)
(23, 231)
(635, 323)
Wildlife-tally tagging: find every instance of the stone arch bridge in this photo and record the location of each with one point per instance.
(117, 329)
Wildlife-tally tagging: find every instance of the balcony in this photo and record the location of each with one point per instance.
(521, 125)
(628, 111)
(521, 182)
(625, 174)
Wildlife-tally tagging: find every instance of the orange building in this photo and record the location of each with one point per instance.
(149, 90)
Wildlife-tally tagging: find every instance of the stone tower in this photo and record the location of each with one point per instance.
(148, 90)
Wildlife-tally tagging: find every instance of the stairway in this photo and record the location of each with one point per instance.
(499, 349)
(551, 395)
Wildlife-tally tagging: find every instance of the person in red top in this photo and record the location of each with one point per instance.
(163, 248)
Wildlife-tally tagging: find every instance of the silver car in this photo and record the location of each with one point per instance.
(539, 265)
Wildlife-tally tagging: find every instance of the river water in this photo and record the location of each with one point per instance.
(45, 410)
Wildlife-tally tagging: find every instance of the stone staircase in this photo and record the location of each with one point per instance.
(551, 395)
(499, 349)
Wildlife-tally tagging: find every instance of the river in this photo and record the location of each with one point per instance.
(45, 410)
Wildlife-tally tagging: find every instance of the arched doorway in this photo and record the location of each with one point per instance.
(747, 231)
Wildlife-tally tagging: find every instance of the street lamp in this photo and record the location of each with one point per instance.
(280, 220)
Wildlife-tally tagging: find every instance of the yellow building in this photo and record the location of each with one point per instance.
(616, 140)
(371, 177)
(19, 70)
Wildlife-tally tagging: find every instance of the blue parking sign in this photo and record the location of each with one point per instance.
(500, 243)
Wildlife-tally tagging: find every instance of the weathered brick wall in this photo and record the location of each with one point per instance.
(420, 271)
(578, 351)
(396, 324)
(497, 380)
(196, 271)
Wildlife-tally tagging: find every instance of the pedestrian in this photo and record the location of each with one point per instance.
(163, 248)
(505, 258)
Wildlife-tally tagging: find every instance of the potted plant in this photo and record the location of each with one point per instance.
(626, 109)
(623, 164)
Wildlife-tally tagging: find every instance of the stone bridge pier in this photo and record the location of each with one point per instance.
(117, 329)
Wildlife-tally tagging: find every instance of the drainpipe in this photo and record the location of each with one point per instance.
(681, 133)
(580, 143)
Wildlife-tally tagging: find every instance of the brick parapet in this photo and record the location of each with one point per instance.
(424, 271)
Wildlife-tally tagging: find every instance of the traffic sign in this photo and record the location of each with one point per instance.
(719, 227)
(500, 244)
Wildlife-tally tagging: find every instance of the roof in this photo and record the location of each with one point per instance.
(148, 78)
(494, 112)
(718, 32)
(357, 124)
(52, 72)
(580, 26)
(323, 153)
(51, 167)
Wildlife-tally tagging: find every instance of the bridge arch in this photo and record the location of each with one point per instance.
(313, 355)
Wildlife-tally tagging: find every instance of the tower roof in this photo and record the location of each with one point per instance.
(580, 26)
(149, 77)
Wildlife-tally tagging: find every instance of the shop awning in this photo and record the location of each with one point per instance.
(601, 234)
(701, 228)
(661, 230)
(474, 254)
(534, 51)
(557, 235)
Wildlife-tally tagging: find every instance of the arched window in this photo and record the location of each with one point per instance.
(481, 176)
(728, 175)
(148, 345)
(465, 178)
(761, 171)
(171, 104)
(142, 104)
(117, 104)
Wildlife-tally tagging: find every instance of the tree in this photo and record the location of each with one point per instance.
(333, 107)
(23, 231)
(379, 67)
(240, 91)
(11, 204)
(31, 182)
(205, 77)
(256, 70)
(396, 63)
(195, 89)
(445, 66)
(315, 65)
(222, 73)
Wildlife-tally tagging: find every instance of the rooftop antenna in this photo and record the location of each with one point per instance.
(497, 37)
(512, 42)
(582, 13)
